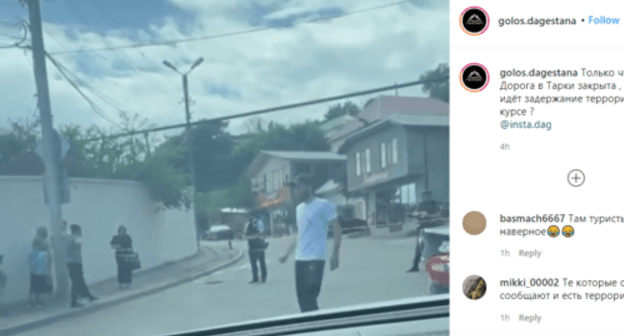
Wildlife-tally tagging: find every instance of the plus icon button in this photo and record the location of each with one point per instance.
(576, 178)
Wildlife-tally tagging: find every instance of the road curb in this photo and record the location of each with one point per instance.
(114, 302)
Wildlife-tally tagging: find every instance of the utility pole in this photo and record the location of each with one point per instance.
(191, 152)
(189, 138)
(51, 159)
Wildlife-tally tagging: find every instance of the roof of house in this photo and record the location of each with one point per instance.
(304, 155)
(329, 187)
(336, 122)
(263, 156)
(386, 106)
(233, 210)
(397, 119)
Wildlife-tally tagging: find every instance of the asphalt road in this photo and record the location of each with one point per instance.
(370, 271)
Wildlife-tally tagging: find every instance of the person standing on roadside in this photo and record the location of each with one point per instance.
(122, 244)
(425, 212)
(73, 251)
(255, 233)
(314, 217)
(40, 260)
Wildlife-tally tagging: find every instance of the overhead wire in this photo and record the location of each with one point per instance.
(61, 69)
(273, 109)
(95, 91)
(121, 55)
(18, 44)
(209, 37)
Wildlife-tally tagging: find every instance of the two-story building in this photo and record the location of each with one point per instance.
(376, 110)
(271, 171)
(390, 161)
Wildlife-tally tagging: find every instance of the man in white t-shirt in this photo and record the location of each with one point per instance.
(314, 217)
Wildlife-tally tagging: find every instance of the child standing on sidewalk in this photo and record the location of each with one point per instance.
(3, 281)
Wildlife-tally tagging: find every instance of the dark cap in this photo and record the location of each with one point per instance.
(304, 179)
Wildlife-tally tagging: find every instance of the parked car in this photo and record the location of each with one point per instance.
(219, 232)
(351, 225)
(434, 243)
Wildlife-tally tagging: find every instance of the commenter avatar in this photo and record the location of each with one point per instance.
(474, 287)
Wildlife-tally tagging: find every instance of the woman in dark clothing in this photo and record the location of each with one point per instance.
(122, 243)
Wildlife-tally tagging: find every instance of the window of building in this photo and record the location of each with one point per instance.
(275, 180)
(382, 154)
(368, 160)
(265, 183)
(395, 151)
(269, 182)
(358, 164)
(363, 167)
(394, 205)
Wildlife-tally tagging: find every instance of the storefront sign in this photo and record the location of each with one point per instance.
(273, 199)
(375, 177)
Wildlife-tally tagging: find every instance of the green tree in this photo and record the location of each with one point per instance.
(215, 166)
(437, 90)
(165, 182)
(21, 137)
(307, 136)
(339, 110)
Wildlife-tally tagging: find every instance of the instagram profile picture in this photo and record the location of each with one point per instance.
(474, 21)
(474, 223)
(474, 287)
(474, 77)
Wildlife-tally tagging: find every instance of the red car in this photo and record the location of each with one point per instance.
(435, 244)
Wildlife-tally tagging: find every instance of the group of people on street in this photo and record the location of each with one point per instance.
(124, 256)
(40, 261)
(314, 218)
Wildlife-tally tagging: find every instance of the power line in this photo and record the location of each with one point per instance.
(273, 109)
(93, 90)
(209, 37)
(62, 69)
(121, 55)
(93, 106)
(18, 44)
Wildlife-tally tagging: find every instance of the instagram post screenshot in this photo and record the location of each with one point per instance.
(536, 98)
(275, 167)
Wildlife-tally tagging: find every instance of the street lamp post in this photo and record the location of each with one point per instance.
(189, 146)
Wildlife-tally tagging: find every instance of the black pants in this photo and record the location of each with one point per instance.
(256, 256)
(418, 255)
(124, 271)
(79, 287)
(308, 277)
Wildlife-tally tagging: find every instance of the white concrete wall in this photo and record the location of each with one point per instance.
(98, 206)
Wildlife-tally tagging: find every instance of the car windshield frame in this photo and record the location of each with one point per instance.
(396, 311)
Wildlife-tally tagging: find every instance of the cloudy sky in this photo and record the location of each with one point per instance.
(293, 61)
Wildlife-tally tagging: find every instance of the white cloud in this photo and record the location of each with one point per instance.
(269, 68)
